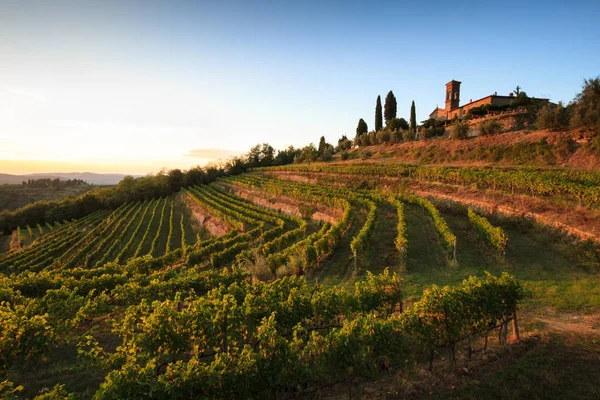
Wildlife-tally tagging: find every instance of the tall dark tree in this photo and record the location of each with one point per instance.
(267, 154)
(391, 107)
(378, 115)
(322, 145)
(413, 118)
(362, 127)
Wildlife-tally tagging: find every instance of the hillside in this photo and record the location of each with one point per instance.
(16, 196)
(89, 177)
(306, 280)
(573, 149)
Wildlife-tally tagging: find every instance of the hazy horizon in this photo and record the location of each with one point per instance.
(132, 87)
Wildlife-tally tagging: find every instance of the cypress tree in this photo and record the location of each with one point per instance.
(413, 118)
(362, 127)
(378, 116)
(390, 106)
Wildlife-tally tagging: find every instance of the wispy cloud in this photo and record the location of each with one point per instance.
(28, 93)
(213, 154)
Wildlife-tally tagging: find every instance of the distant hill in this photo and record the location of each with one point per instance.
(89, 177)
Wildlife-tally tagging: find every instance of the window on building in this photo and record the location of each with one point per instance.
(455, 95)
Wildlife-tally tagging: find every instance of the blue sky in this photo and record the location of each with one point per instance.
(126, 86)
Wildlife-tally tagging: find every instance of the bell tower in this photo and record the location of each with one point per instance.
(452, 95)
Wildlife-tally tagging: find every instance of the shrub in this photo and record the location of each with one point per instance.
(586, 107)
(344, 143)
(383, 136)
(395, 124)
(344, 155)
(460, 130)
(372, 138)
(490, 127)
(407, 136)
(427, 133)
(552, 117)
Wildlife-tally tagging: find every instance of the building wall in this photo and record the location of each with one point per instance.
(502, 100)
(460, 112)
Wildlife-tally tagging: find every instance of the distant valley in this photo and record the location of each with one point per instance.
(89, 177)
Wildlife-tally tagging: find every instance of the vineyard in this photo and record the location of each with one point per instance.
(257, 285)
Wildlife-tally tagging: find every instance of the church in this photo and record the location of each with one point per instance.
(453, 110)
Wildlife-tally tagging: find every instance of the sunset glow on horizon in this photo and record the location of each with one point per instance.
(133, 87)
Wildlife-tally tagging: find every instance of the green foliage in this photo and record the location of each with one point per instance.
(401, 240)
(552, 117)
(384, 136)
(489, 127)
(395, 124)
(23, 336)
(586, 107)
(266, 339)
(446, 235)
(431, 132)
(307, 154)
(325, 150)
(391, 107)
(362, 127)
(494, 235)
(344, 144)
(570, 184)
(460, 130)
(522, 100)
(360, 241)
(10, 391)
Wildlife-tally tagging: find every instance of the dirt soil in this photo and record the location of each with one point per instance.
(213, 225)
(575, 220)
(285, 204)
(451, 151)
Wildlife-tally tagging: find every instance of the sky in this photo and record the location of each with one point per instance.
(135, 86)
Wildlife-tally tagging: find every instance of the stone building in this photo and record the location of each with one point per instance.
(453, 110)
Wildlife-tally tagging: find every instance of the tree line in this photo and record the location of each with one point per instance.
(152, 186)
(583, 113)
(55, 183)
(396, 129)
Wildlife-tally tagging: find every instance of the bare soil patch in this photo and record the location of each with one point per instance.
(205, 219)
(286, 204)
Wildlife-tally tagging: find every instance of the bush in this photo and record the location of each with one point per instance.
(431, 132)
(490, 127)
(344, 155)
(406, 135)
(395, 124)
(460, 130)
(344, 143)
(327, 154)
(586, 107)
(372, 138)
(552, 117)
(384, 136)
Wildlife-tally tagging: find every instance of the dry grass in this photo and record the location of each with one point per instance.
(539, 148)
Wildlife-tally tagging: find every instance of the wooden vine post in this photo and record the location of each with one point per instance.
(515, 325)
(454, 251)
